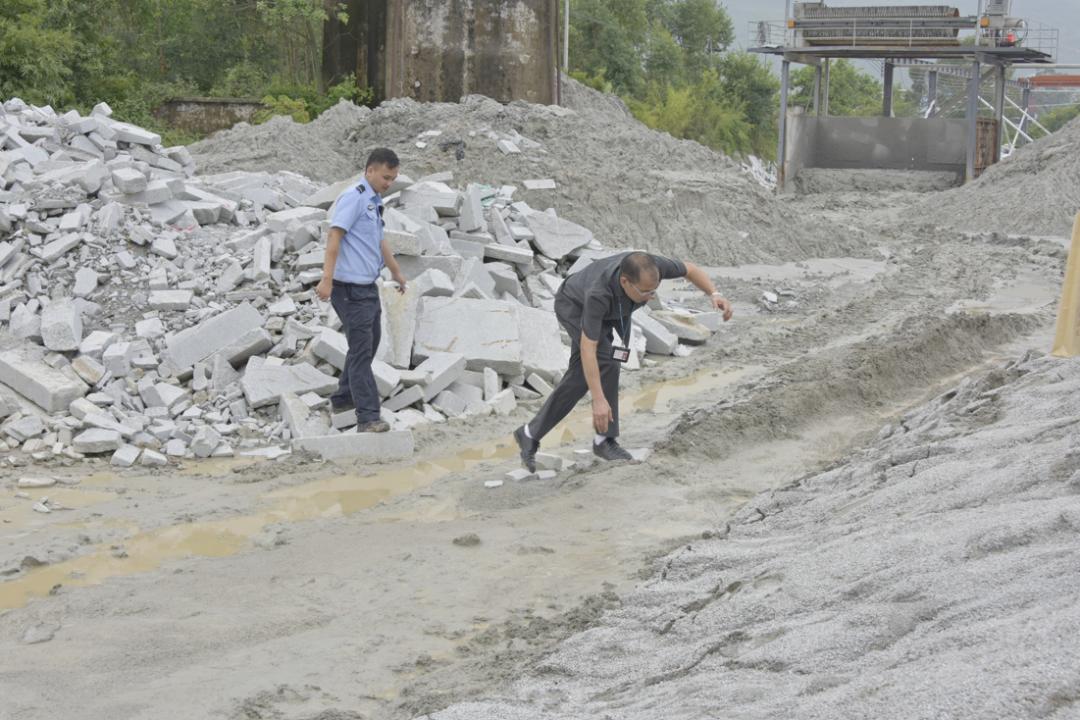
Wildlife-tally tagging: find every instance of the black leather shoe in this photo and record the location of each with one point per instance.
(528, 448)
(610, 450)
(342, 408)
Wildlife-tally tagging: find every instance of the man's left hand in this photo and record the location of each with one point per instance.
(400, 280)
(722, 304)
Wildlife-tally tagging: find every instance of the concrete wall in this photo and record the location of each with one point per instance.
(442, 50)
(935, 144)
(205, 115)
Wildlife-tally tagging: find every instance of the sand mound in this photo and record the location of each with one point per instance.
(1034, 192)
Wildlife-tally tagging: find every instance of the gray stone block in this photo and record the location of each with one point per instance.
(125, 456)
(440, 369)
(556, 238)
(486, 332)
(171, 299)
(449, 403)
(264, 384)
(61, 325)
(129, 180)
(372, 447)
(96, 441)
(331, 346)
(187, 347)
(659, 340)
(409, 396)
(685, 328)
(472, 209)
(509, 253)
(504, 402)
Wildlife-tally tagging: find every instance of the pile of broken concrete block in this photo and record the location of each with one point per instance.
(148, 313)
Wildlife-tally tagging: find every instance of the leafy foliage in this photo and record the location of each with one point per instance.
(134, 54)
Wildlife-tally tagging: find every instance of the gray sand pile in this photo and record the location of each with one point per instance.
(315, 149)
(930, 575)
(634, 187)
(1034, 192)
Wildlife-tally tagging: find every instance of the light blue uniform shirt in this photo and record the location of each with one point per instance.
(359, 213)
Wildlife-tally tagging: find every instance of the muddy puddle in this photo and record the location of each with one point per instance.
(326, 498)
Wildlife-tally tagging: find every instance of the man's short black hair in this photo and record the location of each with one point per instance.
(637, 264)
(382, 156)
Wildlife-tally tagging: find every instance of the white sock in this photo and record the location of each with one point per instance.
(527, 433)
(598, 439)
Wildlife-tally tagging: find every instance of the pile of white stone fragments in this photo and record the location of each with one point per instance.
(149, 313)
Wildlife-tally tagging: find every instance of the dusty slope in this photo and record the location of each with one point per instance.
(928, 575)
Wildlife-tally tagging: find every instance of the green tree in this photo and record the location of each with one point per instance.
(702, 28)
(749, 84)
(607, 40)
(34, 59)
(851, 92)
(664, 57)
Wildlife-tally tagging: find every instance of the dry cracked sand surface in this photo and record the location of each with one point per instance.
(860, 503)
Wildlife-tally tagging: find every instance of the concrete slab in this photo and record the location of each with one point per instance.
(61, 325)
(171, 299)
(440, 369)
(371, 447)
(555, 237)
(542, 352)
(187, 347)
(659, 340)
(264, 384)
(486, 332)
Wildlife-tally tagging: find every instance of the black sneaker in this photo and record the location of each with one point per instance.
(373, 426)
(528, 448)
(610, 450)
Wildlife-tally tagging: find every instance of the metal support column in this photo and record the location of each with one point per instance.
(1025, 106)
(825, 90)
(817, 90)
(781, 149)
(931, 89)
(886, 105)
(999, 110)
(972, 121)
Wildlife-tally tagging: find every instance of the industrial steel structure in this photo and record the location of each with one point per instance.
(814, 34)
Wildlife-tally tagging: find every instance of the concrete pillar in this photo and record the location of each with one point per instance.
(931, 88)
(781, 148)
(972, 120)
(825, 90)
(886, 105)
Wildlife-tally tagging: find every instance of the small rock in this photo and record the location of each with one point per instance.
(470, 540)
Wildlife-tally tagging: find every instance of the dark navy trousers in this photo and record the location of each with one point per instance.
(360, 311)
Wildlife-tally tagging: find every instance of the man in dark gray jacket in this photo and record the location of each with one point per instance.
(590, 305)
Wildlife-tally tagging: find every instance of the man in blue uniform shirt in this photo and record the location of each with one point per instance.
(355, 254)
(590, 305)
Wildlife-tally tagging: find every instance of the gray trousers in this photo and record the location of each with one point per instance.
(573, 387)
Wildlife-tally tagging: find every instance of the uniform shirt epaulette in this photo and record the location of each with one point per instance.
(361, 188)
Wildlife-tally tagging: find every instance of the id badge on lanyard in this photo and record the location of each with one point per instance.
(618, 352)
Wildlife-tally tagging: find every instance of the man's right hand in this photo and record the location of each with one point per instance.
(601, 415)
(324, 287)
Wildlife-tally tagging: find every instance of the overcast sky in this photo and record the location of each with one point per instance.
(1061, 14)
